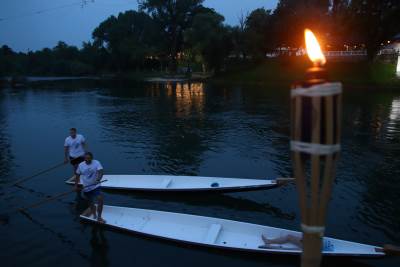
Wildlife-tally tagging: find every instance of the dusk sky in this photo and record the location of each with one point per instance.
(35, 24)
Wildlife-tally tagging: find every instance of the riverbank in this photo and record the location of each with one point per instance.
(287, 71)
(282, 72)
(128, 77)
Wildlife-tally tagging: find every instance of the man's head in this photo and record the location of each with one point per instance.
(88, 157)
(72, 132)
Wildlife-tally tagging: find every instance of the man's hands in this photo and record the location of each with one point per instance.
(66, 160)
(100, 174)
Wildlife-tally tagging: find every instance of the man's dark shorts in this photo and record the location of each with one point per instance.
(93, 194)
(76, 161)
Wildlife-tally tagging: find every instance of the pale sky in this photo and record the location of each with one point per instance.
(35, 24)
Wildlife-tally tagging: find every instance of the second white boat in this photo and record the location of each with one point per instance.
(219, 233)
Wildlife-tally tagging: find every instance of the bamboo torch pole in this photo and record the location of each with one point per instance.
(316, 108)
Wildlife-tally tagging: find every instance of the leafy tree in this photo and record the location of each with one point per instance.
(65, 52)
(209, 38)
(94, 56)
(238, 37)
(162, 29)
(128, 38)
(173, 18)
(372, 22)
(6, 60)
(259, 33)
(339, 32)
(293, 16)
(6, 51)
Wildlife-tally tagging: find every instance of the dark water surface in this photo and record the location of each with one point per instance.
(208, 130)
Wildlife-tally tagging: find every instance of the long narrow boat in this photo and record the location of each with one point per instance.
(184, 183)
(218, 233)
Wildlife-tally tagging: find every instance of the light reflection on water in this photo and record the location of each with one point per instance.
(394, 118)
(195, 129)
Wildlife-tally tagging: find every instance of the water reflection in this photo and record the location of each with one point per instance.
(5, 155)
(381, 200)
(184, 134)
(61, 236)
(370, 157)
(188, 97)
(79, 205)
(394, 118)
(99, 245)
(199, 129)
(175, 126)
(173, 131)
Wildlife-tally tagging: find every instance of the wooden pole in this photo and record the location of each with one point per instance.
(329, 168)
(37, 204)
(316, 126)
(298, 166)
(312, 241)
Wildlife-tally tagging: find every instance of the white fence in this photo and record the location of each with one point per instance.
(329, 54)
(358, 53)
(352, 53)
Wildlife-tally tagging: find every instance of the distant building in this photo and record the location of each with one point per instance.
(394, 43)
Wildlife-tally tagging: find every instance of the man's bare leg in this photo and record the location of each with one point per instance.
(295, 240)
(283, 240)
(75, 167)
(100, 203)
(86, 213)
(93, 210)
(90, 211)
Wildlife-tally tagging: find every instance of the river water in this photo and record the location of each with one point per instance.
(182, 129)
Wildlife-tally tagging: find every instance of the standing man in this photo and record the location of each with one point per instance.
(90, 172)
(74, 149)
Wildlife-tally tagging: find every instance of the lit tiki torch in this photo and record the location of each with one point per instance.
(315, 146)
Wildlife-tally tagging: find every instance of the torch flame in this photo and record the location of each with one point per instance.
(313, 49)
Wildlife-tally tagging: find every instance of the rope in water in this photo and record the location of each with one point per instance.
(35, 175)
(5, 217)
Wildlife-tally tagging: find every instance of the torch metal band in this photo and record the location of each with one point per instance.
(314, 149)
(311, 229)
(324, 89)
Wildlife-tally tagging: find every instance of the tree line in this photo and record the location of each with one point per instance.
(184, 35)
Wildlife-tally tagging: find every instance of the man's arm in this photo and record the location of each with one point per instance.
(84, 144)
(100, 174)
(66, 150)
(77, 179)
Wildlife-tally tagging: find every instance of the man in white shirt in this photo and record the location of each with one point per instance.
(89, 173)
(74, 148)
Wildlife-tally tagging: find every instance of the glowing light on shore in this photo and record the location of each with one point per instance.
(398, 66)
(314, 51)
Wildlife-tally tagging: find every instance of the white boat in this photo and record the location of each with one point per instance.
(184, 183)
(218, 233)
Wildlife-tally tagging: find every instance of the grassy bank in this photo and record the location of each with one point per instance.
(281, 72)
(286, 71)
